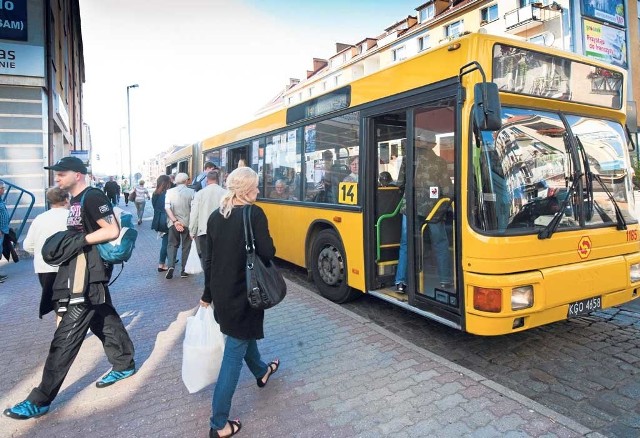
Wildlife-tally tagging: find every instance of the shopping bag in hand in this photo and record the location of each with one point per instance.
(202, 350)
(193, 265)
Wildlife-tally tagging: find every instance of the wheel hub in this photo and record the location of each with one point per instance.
(331, 265)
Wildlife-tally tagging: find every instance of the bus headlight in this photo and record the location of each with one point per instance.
(634, 272)
(521, 297)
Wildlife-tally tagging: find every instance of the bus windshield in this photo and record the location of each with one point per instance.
(524, 172)
(523, 71)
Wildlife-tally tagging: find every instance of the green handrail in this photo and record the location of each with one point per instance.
(378, 228)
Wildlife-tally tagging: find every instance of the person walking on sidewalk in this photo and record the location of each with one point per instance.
(4, 223)
(177, 204)
(126, 189)
(204, 203)
(225, 287)
(159, 222)
(142, 194)
(81, 284)
(111, 189)
(43, 226)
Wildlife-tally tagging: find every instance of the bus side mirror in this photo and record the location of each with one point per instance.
(487, 113)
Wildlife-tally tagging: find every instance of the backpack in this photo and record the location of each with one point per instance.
(119, 250)
(197, 184)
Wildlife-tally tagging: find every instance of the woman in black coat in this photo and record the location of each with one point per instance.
(225, 287)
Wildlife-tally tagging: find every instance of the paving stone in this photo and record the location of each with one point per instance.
(341, 375)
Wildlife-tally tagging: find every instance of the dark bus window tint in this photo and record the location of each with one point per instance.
(282, 164)
(331, 153)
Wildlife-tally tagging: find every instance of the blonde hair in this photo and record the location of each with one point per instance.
(239, 182)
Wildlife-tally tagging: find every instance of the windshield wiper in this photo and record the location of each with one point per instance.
(551, 228)
(621, 223)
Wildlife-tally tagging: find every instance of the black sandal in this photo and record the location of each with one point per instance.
(216, 434)
(270, 372)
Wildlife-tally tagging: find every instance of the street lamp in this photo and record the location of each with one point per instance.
(129, 130)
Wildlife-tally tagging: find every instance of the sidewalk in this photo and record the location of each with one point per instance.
(340, 375)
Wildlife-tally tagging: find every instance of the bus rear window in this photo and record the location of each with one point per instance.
(523, 71)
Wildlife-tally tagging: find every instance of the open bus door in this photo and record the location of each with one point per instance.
(415, 189)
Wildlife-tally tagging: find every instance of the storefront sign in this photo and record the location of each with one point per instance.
(13, 20)
(21, 60)
(605, 43)
(605, 10)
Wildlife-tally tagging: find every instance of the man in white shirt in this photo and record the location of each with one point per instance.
(177, 204)
(43, 226)
(204, 203)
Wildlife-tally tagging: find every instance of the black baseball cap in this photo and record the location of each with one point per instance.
(73, 164)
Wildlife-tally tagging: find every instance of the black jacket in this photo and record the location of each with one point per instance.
(225, 261)
(61, 250)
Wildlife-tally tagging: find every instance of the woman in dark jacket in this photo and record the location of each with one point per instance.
(225, 287)
(159, 222)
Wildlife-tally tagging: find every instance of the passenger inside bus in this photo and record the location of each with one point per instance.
(281, 191)
(385, 179)
(353, 167)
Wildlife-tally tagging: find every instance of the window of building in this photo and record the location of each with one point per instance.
(489, 13)
(427, 13)
(337, 80)
(282, 164)
(454, 29)
(538, 39)
(423, 43)
(399, 54)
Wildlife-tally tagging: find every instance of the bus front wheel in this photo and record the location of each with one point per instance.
(329, 267)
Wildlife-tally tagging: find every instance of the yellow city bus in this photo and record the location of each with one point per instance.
(515, 190)
(183, 159)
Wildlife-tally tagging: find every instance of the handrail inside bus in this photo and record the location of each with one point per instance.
(379, 228)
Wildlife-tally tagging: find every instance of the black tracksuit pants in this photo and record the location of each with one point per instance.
(105, 323)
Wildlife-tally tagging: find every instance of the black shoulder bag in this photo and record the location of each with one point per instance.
(265, 285)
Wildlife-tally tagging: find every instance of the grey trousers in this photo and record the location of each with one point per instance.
(177, 239)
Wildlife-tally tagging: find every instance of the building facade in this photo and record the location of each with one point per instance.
(604, 30)
(41, 79)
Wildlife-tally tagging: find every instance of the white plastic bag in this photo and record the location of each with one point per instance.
(193, 265)
(202, 350)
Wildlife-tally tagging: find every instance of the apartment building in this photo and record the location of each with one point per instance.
(605, 30)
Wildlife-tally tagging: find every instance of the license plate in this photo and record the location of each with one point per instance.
(584, 307)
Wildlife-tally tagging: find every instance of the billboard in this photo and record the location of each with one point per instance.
(611, 11)
(605, 43)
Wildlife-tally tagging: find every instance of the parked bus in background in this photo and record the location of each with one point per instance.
(531, 220)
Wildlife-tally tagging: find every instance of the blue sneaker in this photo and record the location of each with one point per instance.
(25, 410)
(114, 376)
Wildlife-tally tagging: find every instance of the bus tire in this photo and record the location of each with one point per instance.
(329, 267)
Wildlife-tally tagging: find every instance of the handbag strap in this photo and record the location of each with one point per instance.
(249, 244)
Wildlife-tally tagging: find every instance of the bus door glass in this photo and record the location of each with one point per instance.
(389, 140)
(432, 191)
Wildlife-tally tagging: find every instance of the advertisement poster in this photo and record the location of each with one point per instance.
(606, 10)
(13, 20)
(605, 43)
(21, 60)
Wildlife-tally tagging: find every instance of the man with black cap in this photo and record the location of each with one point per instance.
(88, 307)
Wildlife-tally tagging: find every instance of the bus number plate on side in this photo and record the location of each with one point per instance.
(584, 307)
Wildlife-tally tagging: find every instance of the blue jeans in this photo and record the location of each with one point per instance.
(235, 350)
(163, 248)
(401, 271)
(440, 247)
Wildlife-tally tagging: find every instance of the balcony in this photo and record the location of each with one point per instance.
(530, 16)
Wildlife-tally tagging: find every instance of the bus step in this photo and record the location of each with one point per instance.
(387, 267)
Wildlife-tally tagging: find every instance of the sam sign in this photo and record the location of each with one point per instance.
(13, 20)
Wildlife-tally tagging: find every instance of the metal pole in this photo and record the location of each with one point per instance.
(129, 131)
